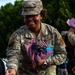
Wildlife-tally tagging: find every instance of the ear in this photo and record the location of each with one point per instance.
(41, 16)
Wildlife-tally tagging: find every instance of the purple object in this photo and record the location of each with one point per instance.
(37, 53)
(71, 22)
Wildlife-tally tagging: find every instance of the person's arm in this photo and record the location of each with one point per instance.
(71, 36)
(73, 69)
(13, 51)
(60, 53)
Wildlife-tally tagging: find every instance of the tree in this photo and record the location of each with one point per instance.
(58, 11)
(10, 20)
(72, 6)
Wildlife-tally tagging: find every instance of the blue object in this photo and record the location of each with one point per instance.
(49, 48)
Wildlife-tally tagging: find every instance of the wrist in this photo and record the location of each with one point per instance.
(44, 65)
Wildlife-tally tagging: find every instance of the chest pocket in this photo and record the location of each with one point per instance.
(49, 40)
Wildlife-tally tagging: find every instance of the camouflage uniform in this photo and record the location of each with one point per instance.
(62, 68)
(71, 37)
(17, 55)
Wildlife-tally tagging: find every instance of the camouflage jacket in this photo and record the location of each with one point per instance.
(20, 60)
(71, 37)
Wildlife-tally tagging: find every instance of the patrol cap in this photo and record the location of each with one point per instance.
(31, 7)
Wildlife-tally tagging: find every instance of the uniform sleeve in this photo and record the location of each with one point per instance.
(71, 37)
(13, 51)
(60, 53)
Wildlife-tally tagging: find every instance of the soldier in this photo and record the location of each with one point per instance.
(71, 45)
(35, 48)
(71, 38)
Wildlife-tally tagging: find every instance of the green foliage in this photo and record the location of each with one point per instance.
(72, 6)
(58, 11)
(10, 20)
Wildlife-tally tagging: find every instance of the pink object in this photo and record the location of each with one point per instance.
(71, 22)
(39, 55)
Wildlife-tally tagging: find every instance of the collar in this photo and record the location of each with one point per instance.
(43, 31)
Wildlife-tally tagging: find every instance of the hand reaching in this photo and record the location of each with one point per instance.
(72, 29)
(73, 69)
(11, 72)
(40, 63)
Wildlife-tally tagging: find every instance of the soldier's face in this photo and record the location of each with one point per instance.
(33, 21)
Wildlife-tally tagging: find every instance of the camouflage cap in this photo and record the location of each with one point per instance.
(31, 7)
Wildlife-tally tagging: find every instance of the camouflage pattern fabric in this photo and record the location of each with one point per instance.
(19, 59)
(31, 7)
(71, 38)
(62, 72)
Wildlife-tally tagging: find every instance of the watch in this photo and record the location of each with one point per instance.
(44, 65)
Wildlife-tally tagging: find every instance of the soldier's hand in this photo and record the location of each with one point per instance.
(41, 62)
(72, 30)
(11, 72)
(73, 69)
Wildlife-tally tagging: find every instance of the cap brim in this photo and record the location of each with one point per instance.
(29, 13)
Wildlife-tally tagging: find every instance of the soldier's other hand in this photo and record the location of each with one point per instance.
(73, 69)
(11, 72)
(72, 29)
(41, 62)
